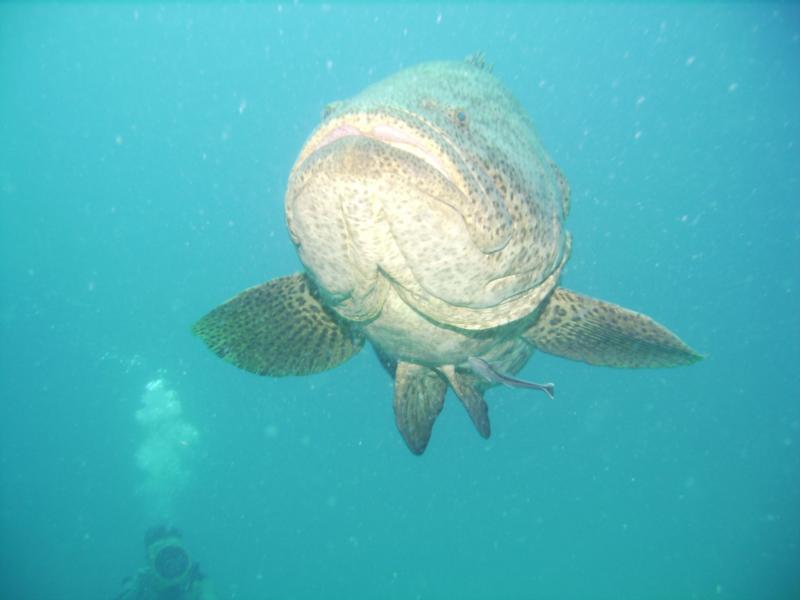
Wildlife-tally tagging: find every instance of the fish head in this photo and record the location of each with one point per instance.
(406, 189)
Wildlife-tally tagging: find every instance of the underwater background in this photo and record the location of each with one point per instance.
(144, 157)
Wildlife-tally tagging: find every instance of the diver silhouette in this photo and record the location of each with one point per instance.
(170, 573)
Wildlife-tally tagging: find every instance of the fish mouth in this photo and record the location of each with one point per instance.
(405, 133)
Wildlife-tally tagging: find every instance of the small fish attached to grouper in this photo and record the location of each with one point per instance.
(430, 222)
(489, 373)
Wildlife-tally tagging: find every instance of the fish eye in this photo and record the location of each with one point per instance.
(461, 116)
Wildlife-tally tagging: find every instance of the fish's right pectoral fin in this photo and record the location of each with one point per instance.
(600, 333)
(279, 328)
(418, 400)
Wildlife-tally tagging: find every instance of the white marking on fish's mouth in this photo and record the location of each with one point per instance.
(390, 136)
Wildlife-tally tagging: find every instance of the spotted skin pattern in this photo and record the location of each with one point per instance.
(464, 216)
(600, 333)
(418, 400)
(278, 328)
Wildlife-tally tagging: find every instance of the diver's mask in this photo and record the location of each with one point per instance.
(169, 562)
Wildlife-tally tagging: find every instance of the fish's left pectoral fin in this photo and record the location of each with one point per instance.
(600, 333)
(279, 328)
(418, 400)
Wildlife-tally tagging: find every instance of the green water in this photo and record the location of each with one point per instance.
(143, 159)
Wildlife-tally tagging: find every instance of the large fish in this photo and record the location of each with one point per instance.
(430, 221)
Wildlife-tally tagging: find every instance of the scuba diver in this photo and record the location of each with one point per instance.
(170, 573)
